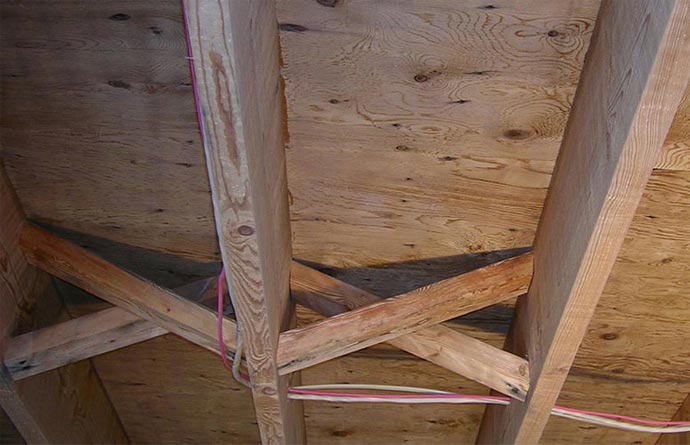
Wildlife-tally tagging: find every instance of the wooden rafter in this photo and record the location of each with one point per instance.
(236, 62)
(635, 73)
(393, 317)
(66, 406)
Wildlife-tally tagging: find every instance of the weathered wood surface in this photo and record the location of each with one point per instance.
(236, 59)
(121, 288)
(68, 97)
(65, 406)
(75, 340)
(132, 73)
(111, 329)
(396, 316)
(636, 69)
(631, 356)
(465, 355)
(86, 336)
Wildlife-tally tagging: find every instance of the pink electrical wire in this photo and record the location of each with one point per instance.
(226, 362)
(623, 417)
(472, 396)
(394, 396)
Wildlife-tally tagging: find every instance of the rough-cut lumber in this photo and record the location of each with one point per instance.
(683, 414)
(83, 337)
(74, 340)
(110, 329)
(236, 61)
(460, 353)
(121, 288)
(70, 405)
(635, 73)
(396, 316)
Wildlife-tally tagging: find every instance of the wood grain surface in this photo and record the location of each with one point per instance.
(388, 319)
(99, 135)
(465, 355)
(236, 60)
(635, 72)
(143, 298)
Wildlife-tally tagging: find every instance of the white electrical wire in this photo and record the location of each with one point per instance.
(372, 387)
(458, 399)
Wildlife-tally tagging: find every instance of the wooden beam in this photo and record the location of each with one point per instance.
(81, 338)
(71, 341)
(455, 351)
(393, 317)
(66, 406)
(236, 61)
(114, 328)
(634, 76)
(682, 415)
(121, 288)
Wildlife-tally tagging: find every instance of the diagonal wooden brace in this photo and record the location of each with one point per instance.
(406, 313)
(113, 328)
(121, 288)
(450, 349)
(84, 337)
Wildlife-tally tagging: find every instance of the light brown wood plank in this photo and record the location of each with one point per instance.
(236, 60)
(88, 336)
(634, 76)
(121, 288)
(74, 340)
(396, 316)
(441, 345)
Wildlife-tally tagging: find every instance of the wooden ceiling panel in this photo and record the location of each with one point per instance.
(99, 130)
(421, 130)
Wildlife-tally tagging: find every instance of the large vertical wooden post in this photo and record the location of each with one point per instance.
(236, 60)
(635, 73)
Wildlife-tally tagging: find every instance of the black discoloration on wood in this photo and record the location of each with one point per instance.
(119, 84)
(120, 17)
(291, 27)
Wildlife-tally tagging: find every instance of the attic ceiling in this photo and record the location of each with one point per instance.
(422, 136)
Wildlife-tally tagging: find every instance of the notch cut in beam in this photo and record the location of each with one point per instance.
(406, 313)
(97, 276)
(634, 76)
